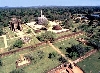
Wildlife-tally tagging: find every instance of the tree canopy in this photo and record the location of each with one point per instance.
(18, 43)
(52, 13)
(76, 51)
(47, 36)
(1, 63)
(1, 30)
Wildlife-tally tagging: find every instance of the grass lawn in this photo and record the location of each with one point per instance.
(66, 43)
(25, 28)
(9, 33)
(9, 62)
(40, 66)
(2, 45)
(33, 41)
(44, 64)
(91, 63)
(11, 41)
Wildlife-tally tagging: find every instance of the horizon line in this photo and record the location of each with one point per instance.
(53, 6)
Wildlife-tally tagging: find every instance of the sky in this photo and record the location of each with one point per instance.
(27, 3)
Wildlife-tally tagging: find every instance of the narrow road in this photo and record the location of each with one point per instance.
(70, 61)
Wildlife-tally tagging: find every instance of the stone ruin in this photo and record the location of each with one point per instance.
(82, 40)
(22, 61)
(25, 39)
(15, 24)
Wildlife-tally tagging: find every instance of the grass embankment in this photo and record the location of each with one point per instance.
(91, 64)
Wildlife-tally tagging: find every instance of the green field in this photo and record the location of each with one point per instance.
(33, 41)
(91, 64)
(2, 45)
(40, 66)
(65, 43)
(44, 64)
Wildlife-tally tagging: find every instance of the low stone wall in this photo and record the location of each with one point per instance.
(21, 49)
(76, 61)
(86, 55)
(75, 34)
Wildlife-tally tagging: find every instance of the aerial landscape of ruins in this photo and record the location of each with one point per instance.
(50, 39)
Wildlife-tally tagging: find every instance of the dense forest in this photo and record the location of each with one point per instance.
(27, 14)
(52, 13)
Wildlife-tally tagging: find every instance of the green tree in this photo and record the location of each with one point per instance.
(62, 59)
(95, 43)
(79, 49)
(29, 31)
(47, 36)
(1, 32)
(76, 51)
(1, 63)
(5, 24)
(1, 29)
(52, 55)
(73, 55)
(67, 23)
(18, 43)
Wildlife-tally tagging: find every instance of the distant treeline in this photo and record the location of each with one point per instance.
(27, 14)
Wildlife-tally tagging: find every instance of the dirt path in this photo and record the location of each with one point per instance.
(30, 28)
(77, 60)
(60, 52)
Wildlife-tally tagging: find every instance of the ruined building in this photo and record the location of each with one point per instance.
(15, 24)
(42, 20)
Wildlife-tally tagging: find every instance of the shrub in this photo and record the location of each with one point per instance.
(29, 31)
(1, 63)
(15, 35)
(18, 43)
(62, 60)
(47, 36)
(52, 55)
